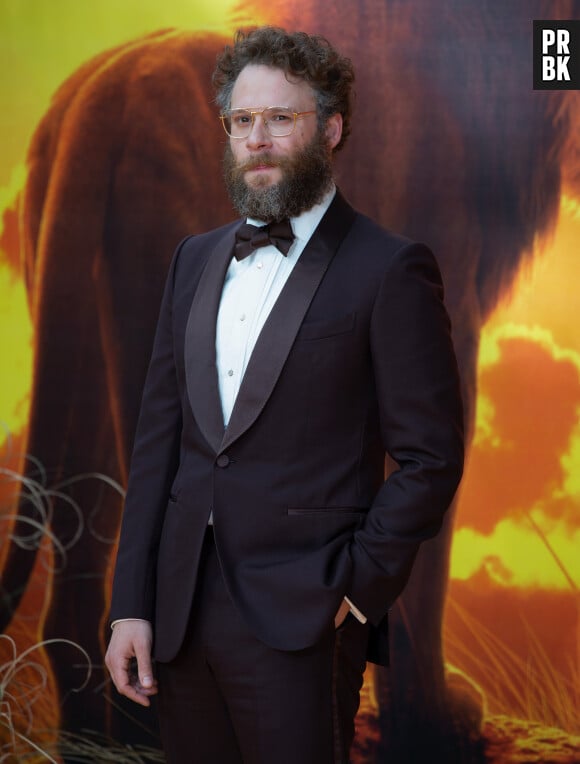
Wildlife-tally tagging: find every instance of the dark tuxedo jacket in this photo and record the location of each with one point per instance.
(355, 360)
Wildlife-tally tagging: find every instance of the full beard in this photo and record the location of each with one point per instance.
(306, 176)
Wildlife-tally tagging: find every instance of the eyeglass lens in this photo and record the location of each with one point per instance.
(277, 121)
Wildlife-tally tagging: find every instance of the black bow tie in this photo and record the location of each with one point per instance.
(250, 237)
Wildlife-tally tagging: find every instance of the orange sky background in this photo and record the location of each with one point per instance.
(515, 565)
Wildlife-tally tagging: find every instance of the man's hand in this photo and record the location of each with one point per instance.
(343, 611)
(132, 639)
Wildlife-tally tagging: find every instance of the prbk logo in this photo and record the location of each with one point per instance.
(556, 55)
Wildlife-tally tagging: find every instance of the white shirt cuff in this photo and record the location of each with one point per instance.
(355, 611)
(120, 620)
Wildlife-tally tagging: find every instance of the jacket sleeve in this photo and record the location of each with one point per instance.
(421, 420)
(153, 465)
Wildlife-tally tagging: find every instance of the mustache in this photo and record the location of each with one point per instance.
(262, 160)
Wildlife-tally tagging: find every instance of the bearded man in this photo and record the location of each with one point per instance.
(261, 546)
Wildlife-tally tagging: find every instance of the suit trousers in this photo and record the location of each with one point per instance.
(228, 698)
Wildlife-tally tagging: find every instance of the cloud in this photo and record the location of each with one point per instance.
(527, 442)
(519, 516)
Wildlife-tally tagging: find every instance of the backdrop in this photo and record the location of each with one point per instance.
(110, 152)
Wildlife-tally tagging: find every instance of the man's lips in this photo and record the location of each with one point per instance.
(260, 167)
(259, 164)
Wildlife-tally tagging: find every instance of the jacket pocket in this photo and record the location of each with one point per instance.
(326, 511)
(317, 330)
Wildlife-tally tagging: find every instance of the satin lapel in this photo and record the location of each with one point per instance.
(200, 357)
(283, 323)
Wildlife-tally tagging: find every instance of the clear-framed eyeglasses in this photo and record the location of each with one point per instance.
(279, 121)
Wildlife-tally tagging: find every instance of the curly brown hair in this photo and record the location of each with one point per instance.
(310, 57)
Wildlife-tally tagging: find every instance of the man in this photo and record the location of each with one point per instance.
(261, 547)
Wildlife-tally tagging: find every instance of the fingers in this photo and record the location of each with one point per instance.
(144, 675)
(129, 661)
(342, 613)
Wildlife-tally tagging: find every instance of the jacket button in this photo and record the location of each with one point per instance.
(223, 460)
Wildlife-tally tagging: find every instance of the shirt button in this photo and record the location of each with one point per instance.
(259, 265)
(231, 373)
(243, 317)
(223, 460)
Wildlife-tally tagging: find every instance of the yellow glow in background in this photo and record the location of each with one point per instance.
(41, 43)
(15, 351)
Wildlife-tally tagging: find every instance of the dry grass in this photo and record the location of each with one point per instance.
(524, 687)
(23, 682)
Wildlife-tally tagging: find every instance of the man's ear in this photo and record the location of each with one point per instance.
(333, 130)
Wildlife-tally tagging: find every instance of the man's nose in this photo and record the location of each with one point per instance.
(259, 135)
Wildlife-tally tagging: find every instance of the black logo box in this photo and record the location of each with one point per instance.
(573, 62)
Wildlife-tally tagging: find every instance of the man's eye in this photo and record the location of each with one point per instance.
(241, 119)
(280, 116)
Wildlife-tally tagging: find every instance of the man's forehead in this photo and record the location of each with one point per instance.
(270, 77)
